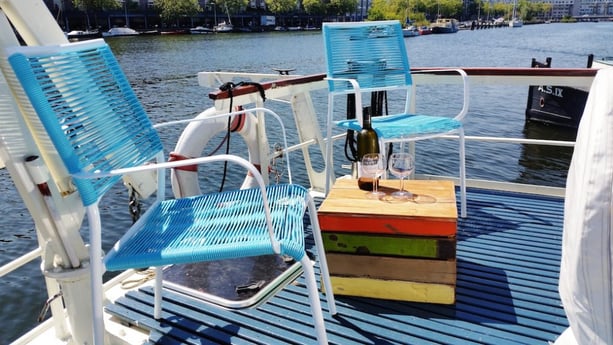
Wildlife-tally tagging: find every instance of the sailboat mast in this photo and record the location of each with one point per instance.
(125, 13)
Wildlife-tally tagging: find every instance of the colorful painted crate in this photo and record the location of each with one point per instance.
(390, 249)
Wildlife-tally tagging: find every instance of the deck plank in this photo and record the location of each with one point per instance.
(508, 265)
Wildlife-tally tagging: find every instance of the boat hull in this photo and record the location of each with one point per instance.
(556, 105)
(440, 30)
(445, 26)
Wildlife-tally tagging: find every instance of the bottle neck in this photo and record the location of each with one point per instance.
(366, 121)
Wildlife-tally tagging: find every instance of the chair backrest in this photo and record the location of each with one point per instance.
(373, 53)
(89, 110)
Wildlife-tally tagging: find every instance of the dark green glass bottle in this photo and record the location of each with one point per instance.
(368, 140)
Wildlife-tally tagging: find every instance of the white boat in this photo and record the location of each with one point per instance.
(120, 31)
(515, 22)
(410, 31)
(509, 247)
(224, 27)
(201, 30)
(83, 34)
(603, 62)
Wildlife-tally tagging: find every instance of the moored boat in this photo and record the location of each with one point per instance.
(120, 31)
(559, 105)
(603, 62)
(445, 26)
(410, 31)
(424, 30)
(508, 253)
(516, 23)
(83, 34)
(224, 27)
(201, 30)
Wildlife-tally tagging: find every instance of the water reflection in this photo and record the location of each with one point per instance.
(542, 163)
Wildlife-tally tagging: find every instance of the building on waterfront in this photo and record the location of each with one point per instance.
(595, 8)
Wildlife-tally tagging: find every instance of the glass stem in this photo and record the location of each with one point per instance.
(402, 184)
(375, 186)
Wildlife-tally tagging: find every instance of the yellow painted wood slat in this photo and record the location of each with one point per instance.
(394, 290)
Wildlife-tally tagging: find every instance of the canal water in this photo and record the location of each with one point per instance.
(162, 70)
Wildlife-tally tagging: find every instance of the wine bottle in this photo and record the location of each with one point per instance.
(368, 140)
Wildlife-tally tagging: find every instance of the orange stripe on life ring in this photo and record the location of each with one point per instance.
(257, 166)
(239, 120)
(173, 156)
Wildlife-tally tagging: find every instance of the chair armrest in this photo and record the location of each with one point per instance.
(264, 111)
(465, 83)
(358, 96)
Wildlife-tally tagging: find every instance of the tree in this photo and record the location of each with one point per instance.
(448, 8)
(341, 7)
(314, 7)
(231, 6)
(281, 6)
(95, 5)
(171, 10)
(388, 9)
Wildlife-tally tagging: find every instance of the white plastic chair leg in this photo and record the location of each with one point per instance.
(157, 294)
(318, 317)
(321, 255)
(95, 255)
(462, 174)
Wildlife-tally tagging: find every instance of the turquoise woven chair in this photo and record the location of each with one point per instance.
(365, 57)
(101, 132)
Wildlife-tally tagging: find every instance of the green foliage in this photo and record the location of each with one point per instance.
(568, 19)
(341, 7)
(449, 8)
(171, 10)
(94, 5)
(281, 6)
(231, 6)
(314, 7)
(382, 10)
(416, 10)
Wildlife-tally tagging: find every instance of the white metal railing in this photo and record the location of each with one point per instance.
(20, 261)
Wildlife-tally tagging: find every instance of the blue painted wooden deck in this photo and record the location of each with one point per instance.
(508, 264)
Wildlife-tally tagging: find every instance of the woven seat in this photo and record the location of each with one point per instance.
(234, 225)
(101, 132)
(371, 57)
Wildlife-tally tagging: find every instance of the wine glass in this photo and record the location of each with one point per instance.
(373, 164)
(401, 165)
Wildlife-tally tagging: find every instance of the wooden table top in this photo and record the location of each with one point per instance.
(432, 211)
(432, 198)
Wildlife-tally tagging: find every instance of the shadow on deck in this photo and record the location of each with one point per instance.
(508, 265)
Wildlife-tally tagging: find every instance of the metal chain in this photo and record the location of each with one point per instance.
(277, 165)
(43, 312)
(134, 205)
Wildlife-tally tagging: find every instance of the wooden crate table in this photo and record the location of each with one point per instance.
(391, 249)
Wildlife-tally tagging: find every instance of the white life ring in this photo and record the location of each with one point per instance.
(194, 138)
